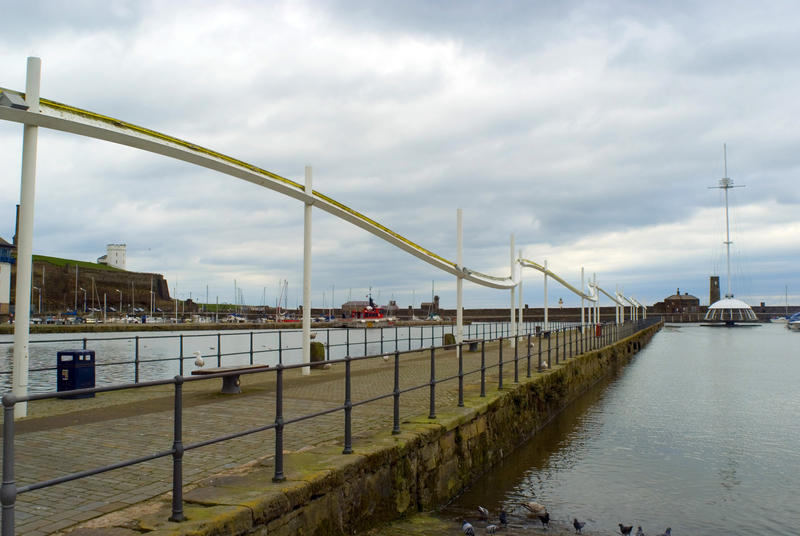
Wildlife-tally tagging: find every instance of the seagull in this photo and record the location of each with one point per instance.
(545, 519)
(535, 508)
(503, 517)
(467, 528)
(578, 525)
(490, 529)
(625, 530)
(667, 532)
(198, 359)
(484, 512)
(639, 531)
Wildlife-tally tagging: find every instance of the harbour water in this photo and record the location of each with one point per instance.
(699, 433)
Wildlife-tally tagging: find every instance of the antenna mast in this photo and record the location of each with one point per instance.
(725, 183)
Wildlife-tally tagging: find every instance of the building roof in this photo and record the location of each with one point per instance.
(5, 244)
(679, 296)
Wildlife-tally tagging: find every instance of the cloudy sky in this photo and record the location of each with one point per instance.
(592, 131)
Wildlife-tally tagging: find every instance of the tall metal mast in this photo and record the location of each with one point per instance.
(725, 183)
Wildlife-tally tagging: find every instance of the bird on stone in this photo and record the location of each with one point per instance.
(503, 517)
(484, 512)
(625, 530)
(534, 508)
(667, 532)
(578, 525)
(545, 519)
(639, 531)
(491, 529)
(468, 529)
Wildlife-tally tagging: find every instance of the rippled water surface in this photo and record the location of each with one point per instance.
(700, 432)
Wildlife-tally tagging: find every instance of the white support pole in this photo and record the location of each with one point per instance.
(546, 323)
(459, 279)
(513, 327)
(583, 289)
(616, 306)
(520, 321)
(307, 275)
(597, 302)
(22, 301)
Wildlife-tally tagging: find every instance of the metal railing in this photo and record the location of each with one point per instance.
(561, 344)
(235, 348)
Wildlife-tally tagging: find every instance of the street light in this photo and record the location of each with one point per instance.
(84, 299)
(120, 300)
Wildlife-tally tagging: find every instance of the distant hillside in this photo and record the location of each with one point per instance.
(56, 279)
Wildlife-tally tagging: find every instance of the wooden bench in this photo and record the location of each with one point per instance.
(230, 383)
(473, 344)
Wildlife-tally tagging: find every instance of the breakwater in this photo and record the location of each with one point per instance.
(388, 475)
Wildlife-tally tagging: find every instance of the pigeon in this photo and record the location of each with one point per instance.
(535, 508)
(467, 528)
(625, 530)
(667, 532)
(545, 519)
(491, 529)
(639, 531)
(503, 517)
(484, 512)
(578, 525)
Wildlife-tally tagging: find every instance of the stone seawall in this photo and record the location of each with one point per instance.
(388, 476)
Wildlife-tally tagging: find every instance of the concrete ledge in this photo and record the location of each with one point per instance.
(388, 476)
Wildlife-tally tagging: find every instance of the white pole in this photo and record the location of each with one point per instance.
(104, 307)
(596, 303)
(545, 296)
(307, 274)
(459, 279)
(616, 306)
(513, 327)
(520, 329)
(583, 289)
(22, 303)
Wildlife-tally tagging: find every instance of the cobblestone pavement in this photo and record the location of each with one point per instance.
(66, 436)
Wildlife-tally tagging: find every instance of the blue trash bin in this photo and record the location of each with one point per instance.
(75, 369)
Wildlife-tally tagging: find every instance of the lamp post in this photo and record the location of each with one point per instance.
(40, 298)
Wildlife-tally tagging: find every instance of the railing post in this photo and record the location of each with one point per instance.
(348, 410)
(136, 360)
(381, 328)
(347, 341)
(500, 364)
(549, 345)
(516, 359)
(279, 476)
(177, 454)
(8, 491)
(84, 343)
(365, 341)
(396, 426)
(180, 354)
(539, 349)
(460, 375)
(251, 347)
(529, 355)
(280, 347)
(219, 349)
(432, 413)
(557, 330)
(483, 367)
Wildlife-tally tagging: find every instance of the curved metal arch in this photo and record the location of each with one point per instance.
(66, 118)
(536, 266)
